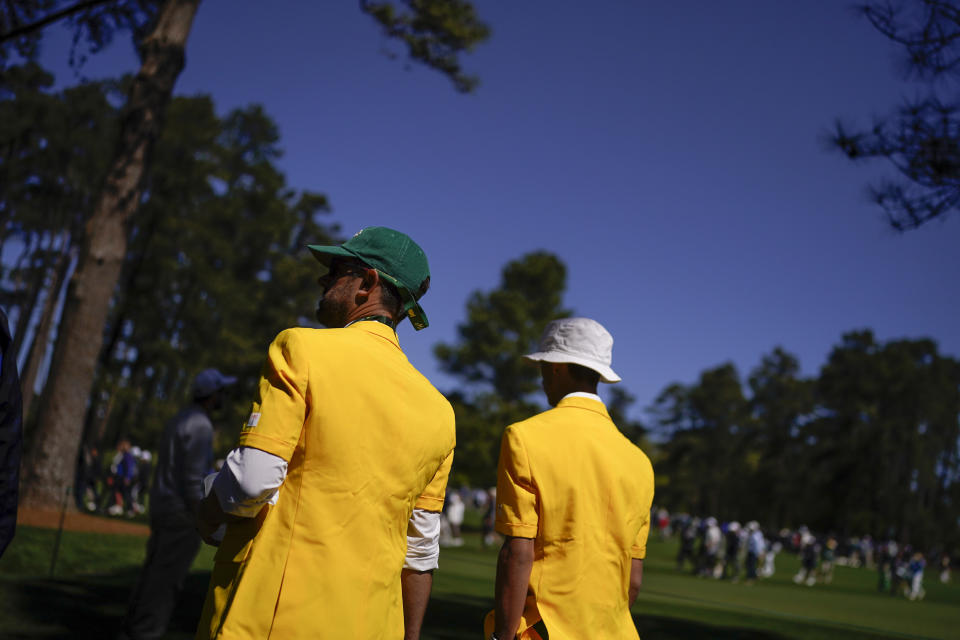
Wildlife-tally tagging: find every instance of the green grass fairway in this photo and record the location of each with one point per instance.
(850, 607)
(86, 597)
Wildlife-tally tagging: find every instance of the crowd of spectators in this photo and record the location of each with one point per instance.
(454, 509)
(730, 551)
(117, 487)
(723, 551)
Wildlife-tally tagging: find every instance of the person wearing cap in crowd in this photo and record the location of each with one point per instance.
(332, 499)
(809, 550)
(731, 558)
(185, 456)
(756, 547)
(123, 471)
(573, 500)
(709, 556)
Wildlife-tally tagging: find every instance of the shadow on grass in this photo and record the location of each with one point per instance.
(663, 628)
(94, 606)
(88, 606)
(456, 618)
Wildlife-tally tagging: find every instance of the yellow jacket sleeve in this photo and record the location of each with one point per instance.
(517, 512)
(639, 548)
(280, 408)
(432, 497)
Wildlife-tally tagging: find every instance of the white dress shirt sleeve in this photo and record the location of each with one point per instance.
(423, 541)
(249, 479)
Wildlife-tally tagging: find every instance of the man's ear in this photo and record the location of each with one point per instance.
(369, 282)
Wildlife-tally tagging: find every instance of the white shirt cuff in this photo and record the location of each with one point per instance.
(423, 541)
(249, 479)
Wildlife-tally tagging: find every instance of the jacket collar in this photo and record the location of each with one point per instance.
(579, 402)
(378, 329)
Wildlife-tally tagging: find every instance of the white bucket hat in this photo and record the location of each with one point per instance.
(579, 341)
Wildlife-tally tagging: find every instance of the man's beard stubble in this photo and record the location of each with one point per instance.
(329, 312)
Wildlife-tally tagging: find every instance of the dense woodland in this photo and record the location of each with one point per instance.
(213, 267)
(432, 32)
(215, 264)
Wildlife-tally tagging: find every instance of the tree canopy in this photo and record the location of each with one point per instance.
(497, 384)
(434, 32)
(94, 24)
(215, 265)
(921, 138)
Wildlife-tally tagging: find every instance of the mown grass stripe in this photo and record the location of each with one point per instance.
(782, 615)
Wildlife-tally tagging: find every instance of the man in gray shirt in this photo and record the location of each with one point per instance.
(11, 435)
(184, 458)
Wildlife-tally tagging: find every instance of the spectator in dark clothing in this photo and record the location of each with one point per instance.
(688, 537)
(11, 436)
(185, 456)
(756, 546)
(898, 569)
(809, 551)
(886, 550)
(731, 559)
(112, 495)
(87, 492)
(124, 476)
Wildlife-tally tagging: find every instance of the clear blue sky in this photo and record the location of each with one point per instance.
(670, 153)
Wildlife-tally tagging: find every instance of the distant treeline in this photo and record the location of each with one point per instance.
(869, 446)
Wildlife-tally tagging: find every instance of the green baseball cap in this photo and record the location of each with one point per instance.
(398, 259)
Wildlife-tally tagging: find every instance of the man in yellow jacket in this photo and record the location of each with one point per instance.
(332, 499)
(573, 500)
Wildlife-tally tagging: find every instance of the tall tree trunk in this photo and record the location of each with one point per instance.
(48, 467)
(41, 338)
(33, 285)
(129, 275)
